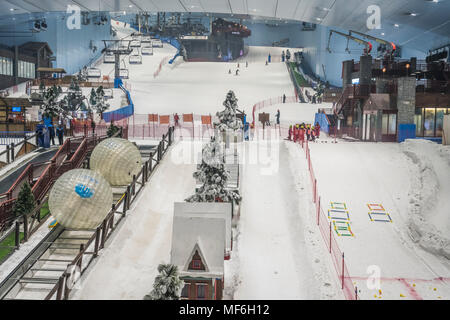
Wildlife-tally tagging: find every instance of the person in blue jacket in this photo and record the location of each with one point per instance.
(60, 134)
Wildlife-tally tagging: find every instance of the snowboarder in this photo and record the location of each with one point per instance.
(282, 56)
(176, 118)
(246, 64)
(60, 133)
(284, 98)
(290, 133)
(51, 131)
(277, 116)
(229, 71)
(237, 72)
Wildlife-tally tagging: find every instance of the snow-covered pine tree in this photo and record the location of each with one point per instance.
(227, 117)
(98, 101)
(214, 177)
(74, 99)
(51, 107)
(25, 201)
(167, 285)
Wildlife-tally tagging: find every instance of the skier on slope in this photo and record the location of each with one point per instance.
(277, 116)
(176, 118)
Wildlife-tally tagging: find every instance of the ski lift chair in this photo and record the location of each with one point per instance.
(146, 39)
(109, 93)
(109, 58)
(147, 50)
(123, 73)
(94, 73)
(135, 43)
(135, 59)
(157, 43)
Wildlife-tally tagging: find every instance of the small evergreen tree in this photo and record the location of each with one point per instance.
(167, 285)
(25, 201)
(98, 101)
(112, 129)
(51, 107)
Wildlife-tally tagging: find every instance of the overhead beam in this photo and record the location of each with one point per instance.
(183, 6)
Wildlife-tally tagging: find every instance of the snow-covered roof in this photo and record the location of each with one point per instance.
(215, 210)
(206, 233)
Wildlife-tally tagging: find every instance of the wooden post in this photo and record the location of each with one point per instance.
(80, 262)
(25, 143)
(12, 152)
(104, 230)
(17, 235)
(128, 197)
(66, 285)
(134, 185)
(97, 241)
(143, 174)
(25, 227)
(59, 291)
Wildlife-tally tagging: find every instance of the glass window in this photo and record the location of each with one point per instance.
(429, 122)
(392, 123)
(201, 291)
(384, 124)
(418, 120)
(439, 121)
(185, 291)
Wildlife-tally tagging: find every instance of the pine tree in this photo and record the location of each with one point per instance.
(74, 100)
(214, 177)
(98, 101)
(51, 107)
(112, 129)
(167, 285)
(25, 201)
(227, 117)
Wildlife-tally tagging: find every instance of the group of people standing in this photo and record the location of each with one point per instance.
(297, 132)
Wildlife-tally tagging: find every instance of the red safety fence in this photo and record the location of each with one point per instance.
(158, 70)
(326, 229)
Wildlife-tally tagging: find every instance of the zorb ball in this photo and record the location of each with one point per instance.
(80, 199)
(117, 160)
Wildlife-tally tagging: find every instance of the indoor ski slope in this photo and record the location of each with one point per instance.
(280, 253)
(361, 174)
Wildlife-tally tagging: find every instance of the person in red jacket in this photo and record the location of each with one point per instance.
(302, 134)
(295, 133)
(308, 132)
(176, 118)
(290, 133)
(317, 130)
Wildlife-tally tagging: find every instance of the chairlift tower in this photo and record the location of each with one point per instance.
(114, 47)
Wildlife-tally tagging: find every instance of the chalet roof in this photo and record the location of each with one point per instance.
(13, 102)
(35, 46)
(208, 234)
(216, 210)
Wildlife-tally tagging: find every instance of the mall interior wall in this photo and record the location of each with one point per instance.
(73, 48)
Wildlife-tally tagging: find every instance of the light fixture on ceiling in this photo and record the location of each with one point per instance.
(396, 25)
(382, 33)
(413, 14)
(130, 6)
(318, 19)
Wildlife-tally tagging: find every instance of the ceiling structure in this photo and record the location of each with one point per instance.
(404, 21)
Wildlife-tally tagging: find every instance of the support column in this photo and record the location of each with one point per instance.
(406, 100)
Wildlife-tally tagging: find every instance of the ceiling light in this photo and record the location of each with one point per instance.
(130, 6)
(396, 25)
(12, 9)
(382, 33)
(412, 14)
(318, 19)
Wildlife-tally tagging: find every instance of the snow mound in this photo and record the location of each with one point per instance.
(429, 205)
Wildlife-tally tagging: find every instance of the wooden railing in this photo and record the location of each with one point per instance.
(89, 251)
